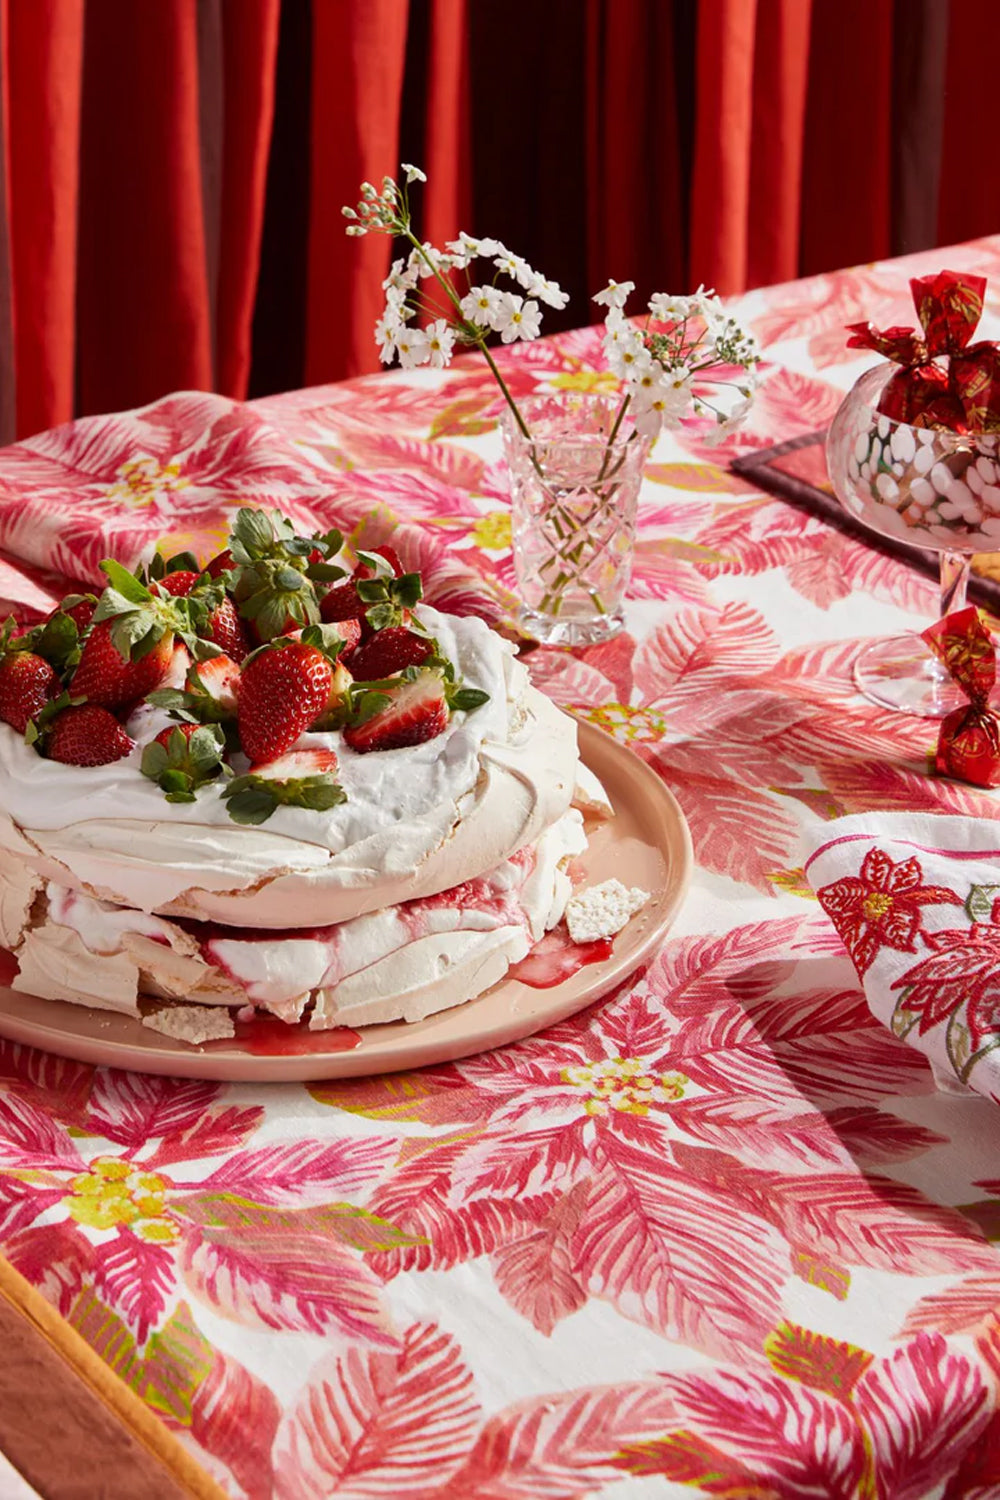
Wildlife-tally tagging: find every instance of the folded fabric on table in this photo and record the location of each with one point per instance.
(916, 900)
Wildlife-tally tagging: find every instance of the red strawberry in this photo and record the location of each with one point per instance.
(282, 690)
(27, 682)
(80, 613)
(350, 632)
(417, 712)
(303, 778)
(388, 651)
(226, 629)
(341, 603)
(220, 563)
(104, 675)
(187, 730)
(87, 735)
(296, 763)
(217, 681)
(391, 556)
(178, 583)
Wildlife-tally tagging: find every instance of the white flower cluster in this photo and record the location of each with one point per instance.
(484, 309)
(685, 338)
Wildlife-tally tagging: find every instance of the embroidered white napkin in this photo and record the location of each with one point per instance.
(916, 900)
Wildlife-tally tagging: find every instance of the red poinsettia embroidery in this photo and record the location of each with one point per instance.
(880, 906)
(963, 969)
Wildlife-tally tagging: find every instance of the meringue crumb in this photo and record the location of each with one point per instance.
(192, 1023)
(602, 910)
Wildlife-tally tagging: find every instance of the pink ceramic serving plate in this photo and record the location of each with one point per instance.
(646, 844)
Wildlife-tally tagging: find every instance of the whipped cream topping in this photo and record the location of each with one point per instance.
(416, 820)
(47, 795)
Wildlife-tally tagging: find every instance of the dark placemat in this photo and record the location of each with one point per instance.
(796, 471)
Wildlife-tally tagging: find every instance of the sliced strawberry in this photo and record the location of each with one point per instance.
(226, 629)
(105, 676)
(219, 680)
(388, 651)
(283, 689)
(182, 758)
(178, 583)
(27, 683)
(301, 778)
(350, 633)
(86, 735)
(405, 715)
(296, 763)
(338, 704)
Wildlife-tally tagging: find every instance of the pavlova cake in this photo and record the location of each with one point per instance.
(280, 784)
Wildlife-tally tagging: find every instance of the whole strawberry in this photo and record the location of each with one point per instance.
(178, 584)
(86, 735)
(27, 682)
(283, 689)
(226, 630)
(182, 758)
(388, 651)
(105, 676)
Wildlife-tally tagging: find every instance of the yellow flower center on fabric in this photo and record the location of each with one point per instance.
(623, 1083)
(113, 1192)
(587, 380)
(626, 722)
(493, 531)
(140, 480)
(876, 905)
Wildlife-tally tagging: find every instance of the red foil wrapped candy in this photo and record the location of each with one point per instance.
(969, 739)
(943, 379)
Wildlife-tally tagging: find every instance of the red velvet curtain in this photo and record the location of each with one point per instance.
(172, 172)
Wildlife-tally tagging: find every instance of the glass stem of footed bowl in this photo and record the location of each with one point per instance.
(955, 568)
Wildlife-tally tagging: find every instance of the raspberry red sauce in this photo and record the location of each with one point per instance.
(266, 1036)
(557, 958)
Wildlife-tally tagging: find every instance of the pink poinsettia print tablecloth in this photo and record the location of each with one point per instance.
(721, 1234)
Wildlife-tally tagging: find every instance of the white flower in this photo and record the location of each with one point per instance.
(515, 266)
(401, 278)
(517, 319)
(440, 341)
(670, 309)
(387, 329)
(467, 248)
(430, 260)
(549, 292)
(413, 174)
(480, 305)
(615, 294)
(624, 349)
(413, 347)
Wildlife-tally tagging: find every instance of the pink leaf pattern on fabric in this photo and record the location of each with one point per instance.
(136, 1277)
(371, 1424)
(277, 1271)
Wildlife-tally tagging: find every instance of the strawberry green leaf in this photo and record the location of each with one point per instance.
(125, 583)
(464, 700)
